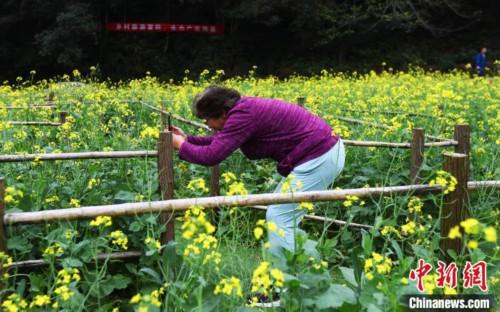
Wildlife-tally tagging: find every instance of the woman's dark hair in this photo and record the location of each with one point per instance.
(214, 102)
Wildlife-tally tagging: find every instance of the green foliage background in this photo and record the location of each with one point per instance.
(281, 37)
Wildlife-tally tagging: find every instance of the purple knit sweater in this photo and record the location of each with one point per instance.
(264, 128)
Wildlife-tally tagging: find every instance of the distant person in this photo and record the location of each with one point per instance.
(480, 61)
(301, 143)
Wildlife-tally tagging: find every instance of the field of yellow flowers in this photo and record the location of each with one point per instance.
(224, 266)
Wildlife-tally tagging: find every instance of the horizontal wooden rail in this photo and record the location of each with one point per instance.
(27, 107)
(226, 201)
(34, 123)
(210, 202)
(326, 219)
(376, 144)
(397, 145)
(381, 126)
(153, 153)
(101, 257)
(480, 185)
(76, 156)
(443, 143)
(387, 112)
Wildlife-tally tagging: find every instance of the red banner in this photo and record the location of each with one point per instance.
(164, 27)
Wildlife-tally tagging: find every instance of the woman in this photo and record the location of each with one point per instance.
(301, 143)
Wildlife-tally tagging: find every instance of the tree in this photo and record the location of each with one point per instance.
(71, 36)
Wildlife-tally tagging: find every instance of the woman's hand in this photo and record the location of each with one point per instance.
(178, 131)
(178, 140)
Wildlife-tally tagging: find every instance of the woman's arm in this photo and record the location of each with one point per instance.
(200, 140)
(239, 127)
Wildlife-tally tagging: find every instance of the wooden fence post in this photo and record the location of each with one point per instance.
(62, 117)
(214, 180)
(215, 188)
(462, 136)
(166, 178)
(215, 191)
(3, 233)
(455, 203)
(417, 154)
(301, 101)
(163, 117)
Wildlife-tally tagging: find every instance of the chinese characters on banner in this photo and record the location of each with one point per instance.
(165, 27)
(472, 274)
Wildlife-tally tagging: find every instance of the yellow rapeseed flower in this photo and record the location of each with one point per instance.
(105, 221)
(271, 226)
(454, 232)
(40, 301)
(258, 232)
(119, 239)
(279, 277)
(14, 303)
(490, 234)
(237, 188)
(471, 226)
(449, 291)
(198, 184)
(306, 206)
(472, 244)
(53, 250)
(408, 228)
(74, 203)
(228, 177)
(152, 243)
(229, 286)
(149, 132)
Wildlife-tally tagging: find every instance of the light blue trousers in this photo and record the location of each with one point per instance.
(315, 175)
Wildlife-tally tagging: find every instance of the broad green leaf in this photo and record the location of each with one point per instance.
(18, 243)
(348, 275)
(124, 197)
(118, 281)
(151, 273)
(335, 297)
(366, 242)
(135, 226)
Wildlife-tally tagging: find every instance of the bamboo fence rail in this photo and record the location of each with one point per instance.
(387, 112)
(483, 185)
(26, 264)
(62, 120)
(380, 126)
(76, 156)
(397, 145)
(27, 107)
(326, 219)
(174, 205)
(34, 123)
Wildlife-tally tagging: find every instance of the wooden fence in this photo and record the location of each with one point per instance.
(62, 120)
(453, 212)
(455, 163)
